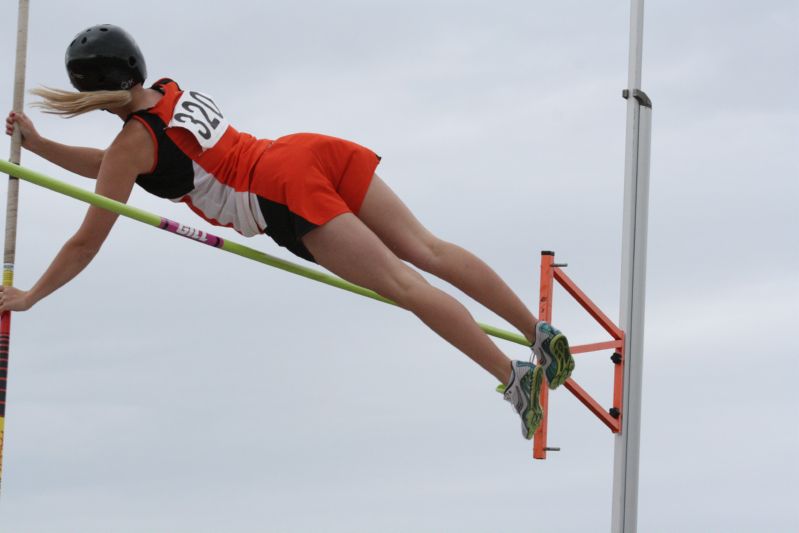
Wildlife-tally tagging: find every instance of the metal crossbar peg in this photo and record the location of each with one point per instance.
(616, 358)
(560, 265)
(552, 449)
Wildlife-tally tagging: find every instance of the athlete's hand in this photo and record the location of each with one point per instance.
(12, 299)
(30, 137)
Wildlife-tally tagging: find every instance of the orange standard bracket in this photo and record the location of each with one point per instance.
(551, 272)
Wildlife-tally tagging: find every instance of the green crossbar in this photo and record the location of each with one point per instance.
(212, 240)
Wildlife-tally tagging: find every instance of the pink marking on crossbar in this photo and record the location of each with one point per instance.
(191, 233)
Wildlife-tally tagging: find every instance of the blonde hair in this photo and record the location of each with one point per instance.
(71, 104)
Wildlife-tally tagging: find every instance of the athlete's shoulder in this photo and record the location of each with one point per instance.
(133, 146)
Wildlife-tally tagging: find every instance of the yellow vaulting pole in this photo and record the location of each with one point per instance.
(11, 213)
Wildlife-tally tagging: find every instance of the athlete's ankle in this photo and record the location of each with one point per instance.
(508, 379)
(530, 334)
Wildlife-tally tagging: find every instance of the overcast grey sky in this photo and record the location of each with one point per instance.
(174, 388)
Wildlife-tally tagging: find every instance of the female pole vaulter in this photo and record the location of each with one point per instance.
(316, 195)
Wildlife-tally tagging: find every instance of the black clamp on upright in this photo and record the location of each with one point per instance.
(639, 95)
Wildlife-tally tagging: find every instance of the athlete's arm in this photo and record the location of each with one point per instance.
(130, 154)
(77, 159)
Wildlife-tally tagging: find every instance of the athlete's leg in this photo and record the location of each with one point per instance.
(388, 217)
(348, 248)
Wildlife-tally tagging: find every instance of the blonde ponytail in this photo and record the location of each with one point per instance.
(71, 104)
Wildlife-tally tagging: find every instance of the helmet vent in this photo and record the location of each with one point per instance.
(83, 41)
(103, 29)
(132, 61)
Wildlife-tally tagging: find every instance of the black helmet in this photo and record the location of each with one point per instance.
(104, 57)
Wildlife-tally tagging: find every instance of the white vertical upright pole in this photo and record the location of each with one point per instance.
(633, 282)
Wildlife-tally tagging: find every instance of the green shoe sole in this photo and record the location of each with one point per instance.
(559, 348)
(534, 414)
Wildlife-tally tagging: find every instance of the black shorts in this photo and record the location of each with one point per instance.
(286, 228)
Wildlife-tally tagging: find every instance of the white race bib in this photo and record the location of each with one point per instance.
(198, 113)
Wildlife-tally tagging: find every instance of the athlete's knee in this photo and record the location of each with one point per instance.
(428, 253)
(401, 284)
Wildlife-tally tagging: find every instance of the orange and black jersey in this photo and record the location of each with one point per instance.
(283, 188)
(214, 178)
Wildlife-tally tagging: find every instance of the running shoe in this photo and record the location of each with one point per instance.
(552, 349)
(523, 393)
